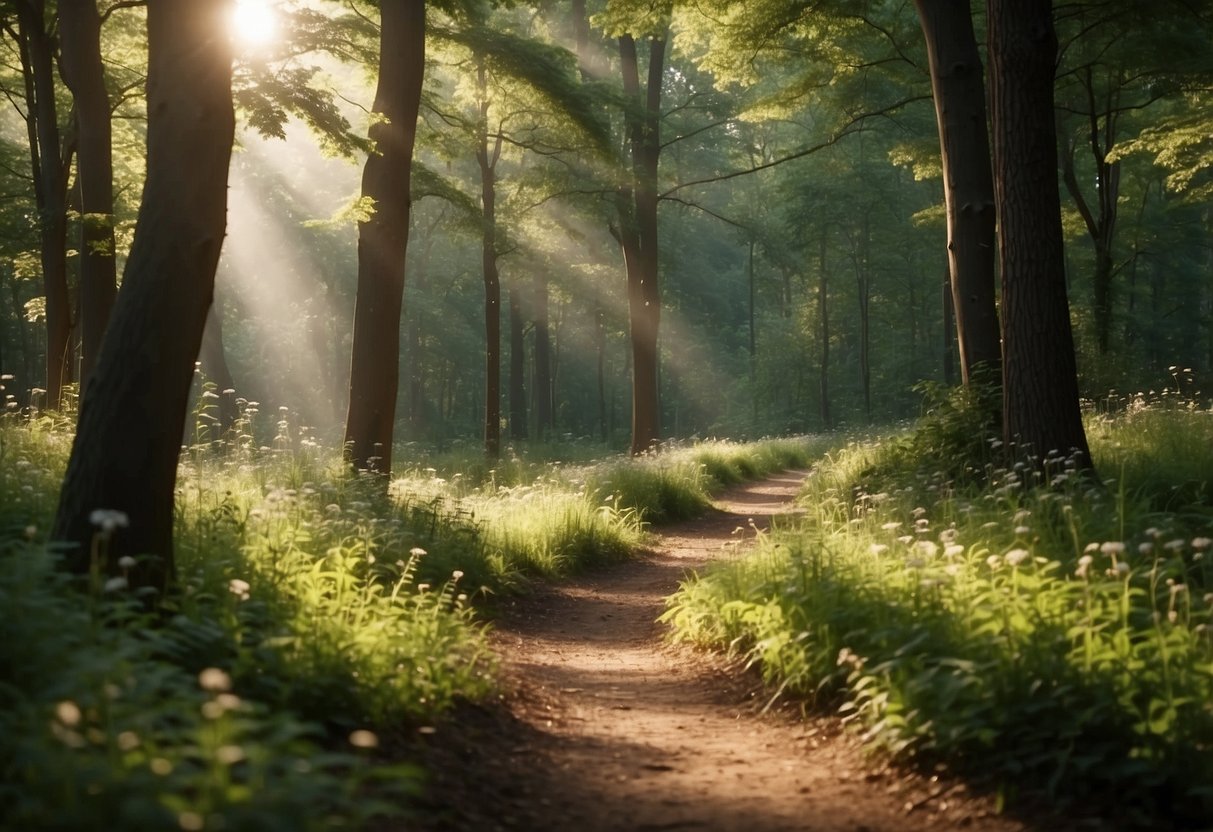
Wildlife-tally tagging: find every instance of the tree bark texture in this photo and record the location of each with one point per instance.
(1040, 388)
(84, 74)
(968, 187)
(50, 187)
(639, 237)
(383, 238)
(129, 436)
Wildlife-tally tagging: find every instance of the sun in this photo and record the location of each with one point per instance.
(254, 23)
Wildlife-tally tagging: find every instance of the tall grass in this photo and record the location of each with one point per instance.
(1041, 629)
(315, 612)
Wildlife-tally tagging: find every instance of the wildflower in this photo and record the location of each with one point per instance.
(993, 561)
(905, 539)
(160, 766)
(1016, 556)
(1112, 547)
(115, 584)
(891, 527)
(31, 532)
(1174, 545)
(229, 754)
(108, 519)
(1145, 548)
(878, 549)
(1022, 515)
(68, 713)
(916, 563)
(953, 550)
(1122, 568)
(238, 588)
(1023, 530)
(457, 574)
(1200, 543)
(1091, 547)
(417, 552)
(214, 679)
(126, 562)
(1084, 566)
(927, 548)
(918, 512)
(128, 741)
(363, 739)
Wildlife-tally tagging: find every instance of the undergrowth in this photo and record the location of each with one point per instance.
(318, 619)
(1040, 630)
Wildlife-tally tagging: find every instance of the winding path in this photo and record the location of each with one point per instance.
(607, 727)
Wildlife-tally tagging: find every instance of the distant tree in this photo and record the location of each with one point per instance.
(958, 87)
(1040, 388)
(50, 160)
(124, 457)
(383, 237)
(84, 73)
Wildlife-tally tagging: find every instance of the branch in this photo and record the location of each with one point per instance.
(707, 211)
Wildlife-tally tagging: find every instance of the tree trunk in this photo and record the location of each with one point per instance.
(213, 360)
(383, 238)
(125, 453)
(1040, 389)
(823, 311)
(50, 188)
(518, 414)
(600, 366)
(639, 238)
(486, 158)
(960, 112)
(544, 397)
(949, 332)
(84, 74)
(863, 280)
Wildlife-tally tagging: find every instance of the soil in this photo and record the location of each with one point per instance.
(603, 725)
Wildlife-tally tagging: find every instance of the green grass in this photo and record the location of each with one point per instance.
(1049, 639)
(316, 613)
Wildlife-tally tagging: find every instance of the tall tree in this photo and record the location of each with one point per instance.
(84, 74)
(488, 154)
(958, 87)
(125, 453)
(1040, 388)
(383, 237)
(637, 233)
(50, 162)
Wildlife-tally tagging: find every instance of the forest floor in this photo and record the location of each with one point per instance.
(603, 725)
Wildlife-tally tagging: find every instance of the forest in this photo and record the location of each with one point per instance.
(411, 408)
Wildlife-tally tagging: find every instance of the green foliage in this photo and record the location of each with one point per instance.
(1046, 636)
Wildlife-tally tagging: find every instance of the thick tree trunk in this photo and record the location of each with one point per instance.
(641, 262)
(517, 398)
(84, 74)
(50, 187)
(125, 453)
(1040, 389)
(960, 111)
(383, 238)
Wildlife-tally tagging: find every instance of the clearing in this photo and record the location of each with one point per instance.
(604, 726)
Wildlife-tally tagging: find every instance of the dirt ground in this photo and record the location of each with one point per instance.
(604, 726)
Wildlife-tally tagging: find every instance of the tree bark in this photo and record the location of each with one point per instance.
(84, 74)
(1040, 388)
(960, 112)
(639, 237)
(487, 157)
(383, 238)
(50, 188)
(125, 453)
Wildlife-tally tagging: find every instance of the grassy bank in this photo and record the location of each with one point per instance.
(1044, 631)
(319, 619)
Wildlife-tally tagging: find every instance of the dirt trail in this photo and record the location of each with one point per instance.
(606, 727)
